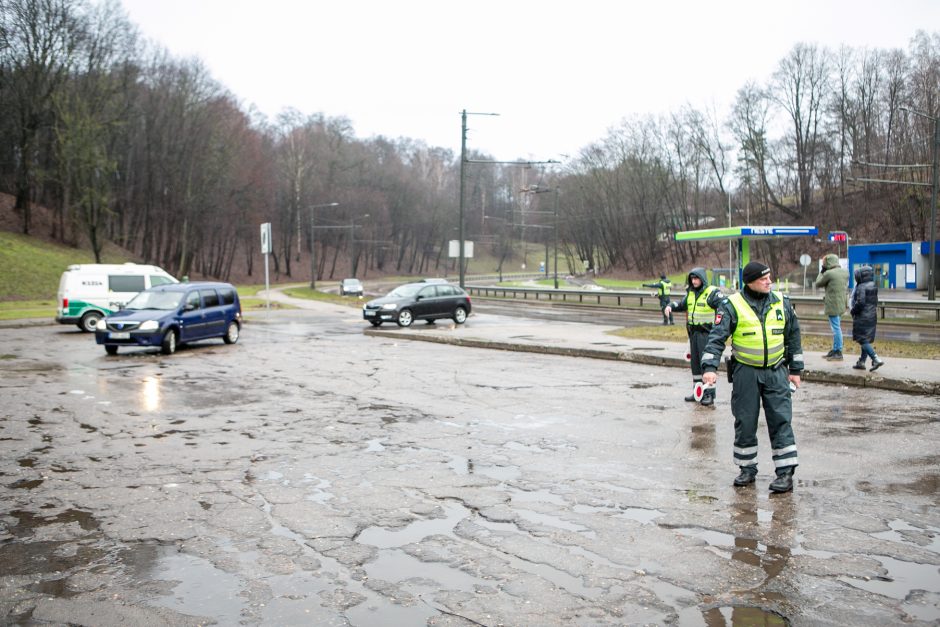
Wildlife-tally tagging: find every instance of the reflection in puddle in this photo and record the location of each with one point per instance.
(742, 617)
(150, 394)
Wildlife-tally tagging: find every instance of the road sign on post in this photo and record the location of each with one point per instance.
(266, 250)
(805, 260)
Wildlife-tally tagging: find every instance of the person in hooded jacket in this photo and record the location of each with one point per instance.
(836, 282)
(864, 310)
(700, 303)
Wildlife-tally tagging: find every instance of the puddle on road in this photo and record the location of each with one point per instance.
(25, 484)
(902, 578)
(466, 466)
(742, 616)
(53, 558)
(201, 588)
(927, 485)
(638, 514)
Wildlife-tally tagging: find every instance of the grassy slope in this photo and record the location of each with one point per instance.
(31, 268)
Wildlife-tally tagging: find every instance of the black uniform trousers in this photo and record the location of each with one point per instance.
(698, 338)
(753, 387)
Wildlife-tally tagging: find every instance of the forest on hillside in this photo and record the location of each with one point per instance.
(126, 144)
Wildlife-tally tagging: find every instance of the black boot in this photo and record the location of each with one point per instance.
(708, 397)
(783, 482)
(746, 477)
(690, 398)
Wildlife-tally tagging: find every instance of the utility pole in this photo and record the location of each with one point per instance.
(935, 181)
(931, 277)
(460, 201)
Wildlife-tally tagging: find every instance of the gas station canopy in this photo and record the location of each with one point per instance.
(744, 235)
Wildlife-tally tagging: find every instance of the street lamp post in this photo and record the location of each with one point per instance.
(460, 203)
(313, 240)
(931, 278)
(555, 237)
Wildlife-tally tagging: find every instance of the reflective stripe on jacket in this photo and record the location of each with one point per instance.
(756, 342)
(700, 312)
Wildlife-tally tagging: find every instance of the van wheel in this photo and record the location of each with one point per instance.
(231, 334)
(405, 318)
(169, 342)
(90, 321)
(111, 350)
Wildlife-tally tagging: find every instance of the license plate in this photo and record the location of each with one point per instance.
(123, 335)
(369, 313)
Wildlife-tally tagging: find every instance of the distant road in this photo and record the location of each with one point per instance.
(635, 318)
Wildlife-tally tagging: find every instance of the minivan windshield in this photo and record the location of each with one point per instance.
(165, 301)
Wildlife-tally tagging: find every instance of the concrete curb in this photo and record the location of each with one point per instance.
(910, 386)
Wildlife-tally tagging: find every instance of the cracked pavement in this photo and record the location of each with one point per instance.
(313, 474)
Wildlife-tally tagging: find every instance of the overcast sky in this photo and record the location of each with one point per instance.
(558, 73)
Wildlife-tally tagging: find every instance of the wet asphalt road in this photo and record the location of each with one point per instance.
(314, 475)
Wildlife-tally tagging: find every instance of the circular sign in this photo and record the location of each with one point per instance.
(805, 260)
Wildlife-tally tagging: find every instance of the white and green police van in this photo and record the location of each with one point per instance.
(89, 292)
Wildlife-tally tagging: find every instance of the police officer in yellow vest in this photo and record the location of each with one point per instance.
(701, 301)
(663, 287)
(766, 355)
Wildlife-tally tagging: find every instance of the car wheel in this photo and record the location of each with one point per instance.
(168, 347)
(231, 334)
(375, 323)
(405, 318)
(460, 315)
(111, 350)
(90, 321)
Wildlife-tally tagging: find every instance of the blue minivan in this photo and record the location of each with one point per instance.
(170, 315)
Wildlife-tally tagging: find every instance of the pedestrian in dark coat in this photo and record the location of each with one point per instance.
(864, 310)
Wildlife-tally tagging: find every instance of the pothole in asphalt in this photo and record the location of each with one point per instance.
(743, 615)
(200, 588)
(398, 566)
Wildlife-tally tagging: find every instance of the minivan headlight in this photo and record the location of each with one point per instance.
(101, 325)
(149, 325)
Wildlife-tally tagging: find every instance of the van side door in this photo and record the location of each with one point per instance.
(213, 313)
(192, 324)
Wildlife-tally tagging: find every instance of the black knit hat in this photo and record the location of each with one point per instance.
(753, 271)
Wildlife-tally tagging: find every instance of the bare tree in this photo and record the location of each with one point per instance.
(800, 86)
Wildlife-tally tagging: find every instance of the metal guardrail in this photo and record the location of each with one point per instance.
(617, 298)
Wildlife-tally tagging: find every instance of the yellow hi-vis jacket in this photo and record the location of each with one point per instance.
(756, 342)
(699, 311)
